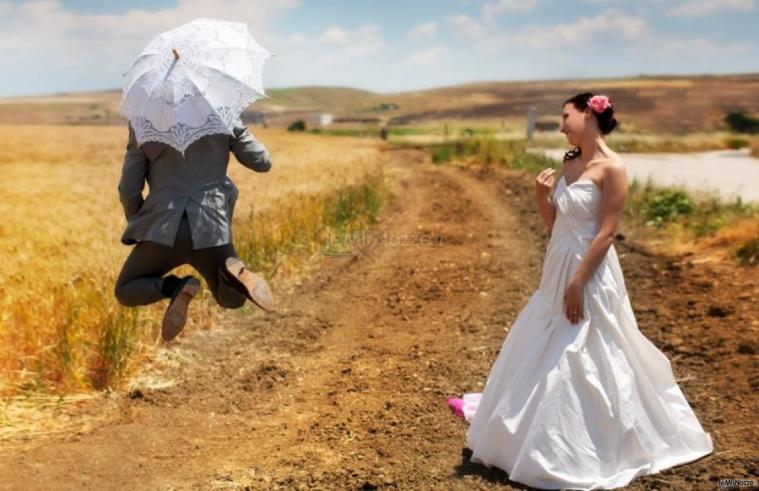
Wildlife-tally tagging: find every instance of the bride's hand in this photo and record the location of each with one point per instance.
(573, 301)
(544, 182)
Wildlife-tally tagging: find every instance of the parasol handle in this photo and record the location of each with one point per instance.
(176, 53)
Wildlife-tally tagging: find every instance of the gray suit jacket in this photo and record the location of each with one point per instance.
(197, 182)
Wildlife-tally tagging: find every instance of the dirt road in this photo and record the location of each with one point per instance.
(345, 386)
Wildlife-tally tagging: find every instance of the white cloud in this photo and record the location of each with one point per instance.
(425, 57)
(363, 40)
(46, 33)
(336, 56)
(607, 25)
(5, 7)
(428, 29)
(498, 7)
(694, 8)
(695, 47)
(93, 50)
(359, 42)
(610, 24)
(466, 27)
(334, 47)
(334, 35)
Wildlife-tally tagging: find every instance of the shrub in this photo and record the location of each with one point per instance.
(740, 123)
(666, 205)
(443, 154)
(736, 143)
(748, 253)
(299, 125)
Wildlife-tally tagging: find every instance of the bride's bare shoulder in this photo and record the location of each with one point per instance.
(611, 160)
(615, 163)
(614, 167)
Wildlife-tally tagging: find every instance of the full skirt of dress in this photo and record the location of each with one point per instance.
(581, 406)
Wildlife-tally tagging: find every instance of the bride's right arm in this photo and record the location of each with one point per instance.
(543, 187)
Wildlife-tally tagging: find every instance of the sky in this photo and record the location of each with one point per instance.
(51, 46)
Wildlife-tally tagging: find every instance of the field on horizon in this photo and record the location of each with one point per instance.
(656, 104)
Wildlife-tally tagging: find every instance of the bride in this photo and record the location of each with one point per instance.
(578, 397)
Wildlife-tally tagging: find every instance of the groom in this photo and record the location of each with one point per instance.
(186, 219)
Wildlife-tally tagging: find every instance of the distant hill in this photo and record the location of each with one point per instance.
(670, 104)
(315, 98)
(660, 104)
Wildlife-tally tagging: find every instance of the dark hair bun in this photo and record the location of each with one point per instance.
(606, 120)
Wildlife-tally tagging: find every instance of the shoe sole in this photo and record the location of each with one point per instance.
(256, 288)
(176, 313)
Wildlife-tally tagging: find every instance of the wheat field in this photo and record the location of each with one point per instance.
(61, 328)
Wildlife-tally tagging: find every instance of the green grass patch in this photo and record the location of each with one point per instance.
(299, 227)
(487, 151)
(362, 131)
(675, 208)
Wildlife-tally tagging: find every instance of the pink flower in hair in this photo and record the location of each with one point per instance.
(599, 103)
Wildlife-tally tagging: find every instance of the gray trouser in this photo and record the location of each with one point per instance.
(141, 277)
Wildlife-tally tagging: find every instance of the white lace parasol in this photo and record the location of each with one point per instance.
(192, 81)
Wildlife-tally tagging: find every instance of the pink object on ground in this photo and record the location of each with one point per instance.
(457, 405)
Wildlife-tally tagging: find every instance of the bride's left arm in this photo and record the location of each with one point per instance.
(613, 199)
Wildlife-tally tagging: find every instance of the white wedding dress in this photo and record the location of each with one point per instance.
(584, 406)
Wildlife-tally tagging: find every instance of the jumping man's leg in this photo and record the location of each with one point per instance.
(209, 263)
(141, 281)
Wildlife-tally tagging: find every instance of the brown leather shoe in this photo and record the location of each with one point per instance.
(176, 313)
(254, 286)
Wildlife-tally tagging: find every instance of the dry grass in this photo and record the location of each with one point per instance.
(755, 148)
(44, 414)
(671, 220)
(722, 245)
(61, 328)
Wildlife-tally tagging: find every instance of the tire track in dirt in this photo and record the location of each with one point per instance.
(401, 326)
